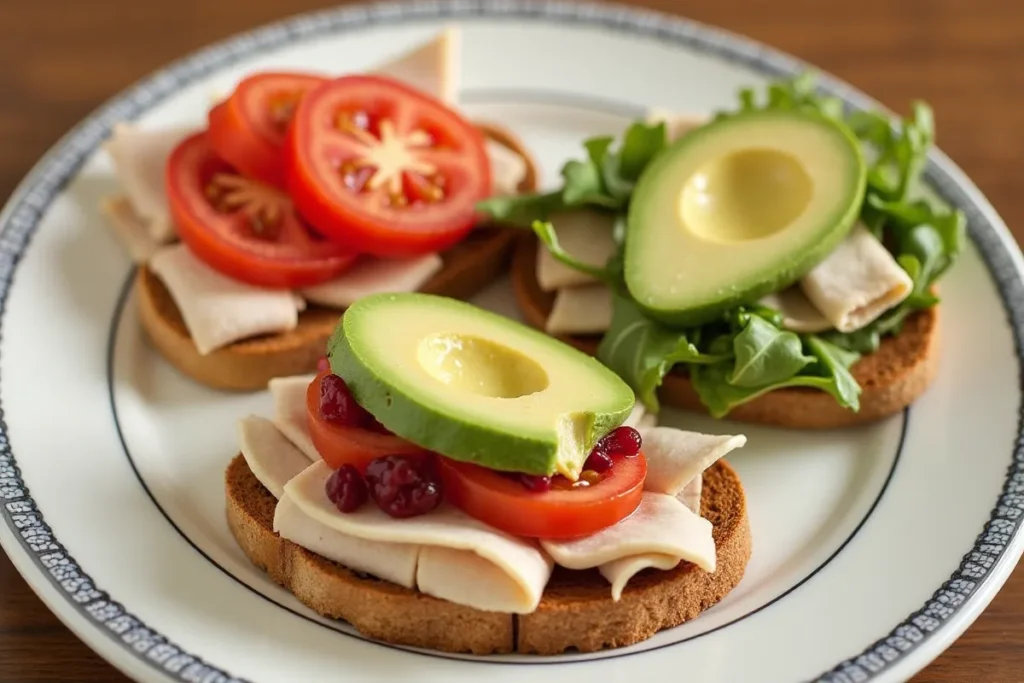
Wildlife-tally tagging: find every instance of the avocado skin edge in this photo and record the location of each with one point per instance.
(791, 271)
(451, 435)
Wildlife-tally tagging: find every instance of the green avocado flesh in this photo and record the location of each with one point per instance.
(475, 386)
(737, 209)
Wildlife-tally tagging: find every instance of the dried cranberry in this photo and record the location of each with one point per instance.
(598, 461)
(337, 404)
(323, 365)
(624, 441)
(538, 483)
(346, 488)
(404, 486)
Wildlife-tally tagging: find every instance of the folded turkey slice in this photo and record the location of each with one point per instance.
(798, 313)
(586, 234)
(661, 525)
(140, 155)
(289, 397)
(676, 461)
(394, 562)
(433, 67)
(457, 549)
(857, 282)
(219, 310)
(129, 229)
(584, 309)
(374, 276)
(271, 457)
(274, 462)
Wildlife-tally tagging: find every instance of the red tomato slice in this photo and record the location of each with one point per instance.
(354, 446)
(387, 169)
(242, 228)
(505, 503)
(248, 129)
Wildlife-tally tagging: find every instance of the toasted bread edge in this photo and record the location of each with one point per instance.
(576, 612)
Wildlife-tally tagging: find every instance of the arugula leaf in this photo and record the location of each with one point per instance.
(720, 396)
(640, 145)
(862, 341)
(545, 231)
(522, 210)
(583, 185)
(641, 351)
(765, 354)
(834, 364)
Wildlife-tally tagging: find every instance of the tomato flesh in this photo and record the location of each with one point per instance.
(505, 503)
(248, 129)
(385, 168)
(244, 229)
(354, 446)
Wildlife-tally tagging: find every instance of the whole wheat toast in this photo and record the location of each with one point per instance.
(576, 611)
(891, 378)
(248, 365)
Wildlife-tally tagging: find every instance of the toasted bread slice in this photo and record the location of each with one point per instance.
(248, 365)
(891, 378)
(576, 611)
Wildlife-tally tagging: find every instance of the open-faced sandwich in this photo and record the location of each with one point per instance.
(775, 264)
(301, 194)
(454, 480)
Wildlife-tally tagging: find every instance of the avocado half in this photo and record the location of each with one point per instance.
(475, 386)
(737, 209)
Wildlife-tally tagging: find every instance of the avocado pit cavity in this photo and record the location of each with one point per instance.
(745, 195)
(480, 366)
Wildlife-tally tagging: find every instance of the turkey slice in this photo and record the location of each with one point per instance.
(798, 313)
(270, 456)
(675, 457)
(520, 570)
(374, 276)
(129, 230)
(433, 67)
(660, 525)
(586, 234)
(508, 169)
(585, 309)
(219, 310)
(289, 397)
(140, 158)
(619, 572)
(857, 282)
(394, 562)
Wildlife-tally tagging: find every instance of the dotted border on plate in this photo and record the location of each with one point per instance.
(30, 201)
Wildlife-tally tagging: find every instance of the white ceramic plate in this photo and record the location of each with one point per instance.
(874, 547)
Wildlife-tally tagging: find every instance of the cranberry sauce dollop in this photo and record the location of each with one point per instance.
(347, 489)
(404, 486)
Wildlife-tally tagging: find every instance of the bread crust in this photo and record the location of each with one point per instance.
(249, 364)
(891, 378)
(576, 610)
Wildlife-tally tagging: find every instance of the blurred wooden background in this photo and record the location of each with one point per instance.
(59, 59)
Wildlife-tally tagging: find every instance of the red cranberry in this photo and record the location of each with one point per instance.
(346, 489)
(624, 441)
(404, 486)
(540, 483)
(598, 461)
(323, 365)
(337, 404)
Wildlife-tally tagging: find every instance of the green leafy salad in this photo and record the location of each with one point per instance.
(736, 353)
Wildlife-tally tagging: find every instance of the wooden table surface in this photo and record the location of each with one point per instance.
(59, 59)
